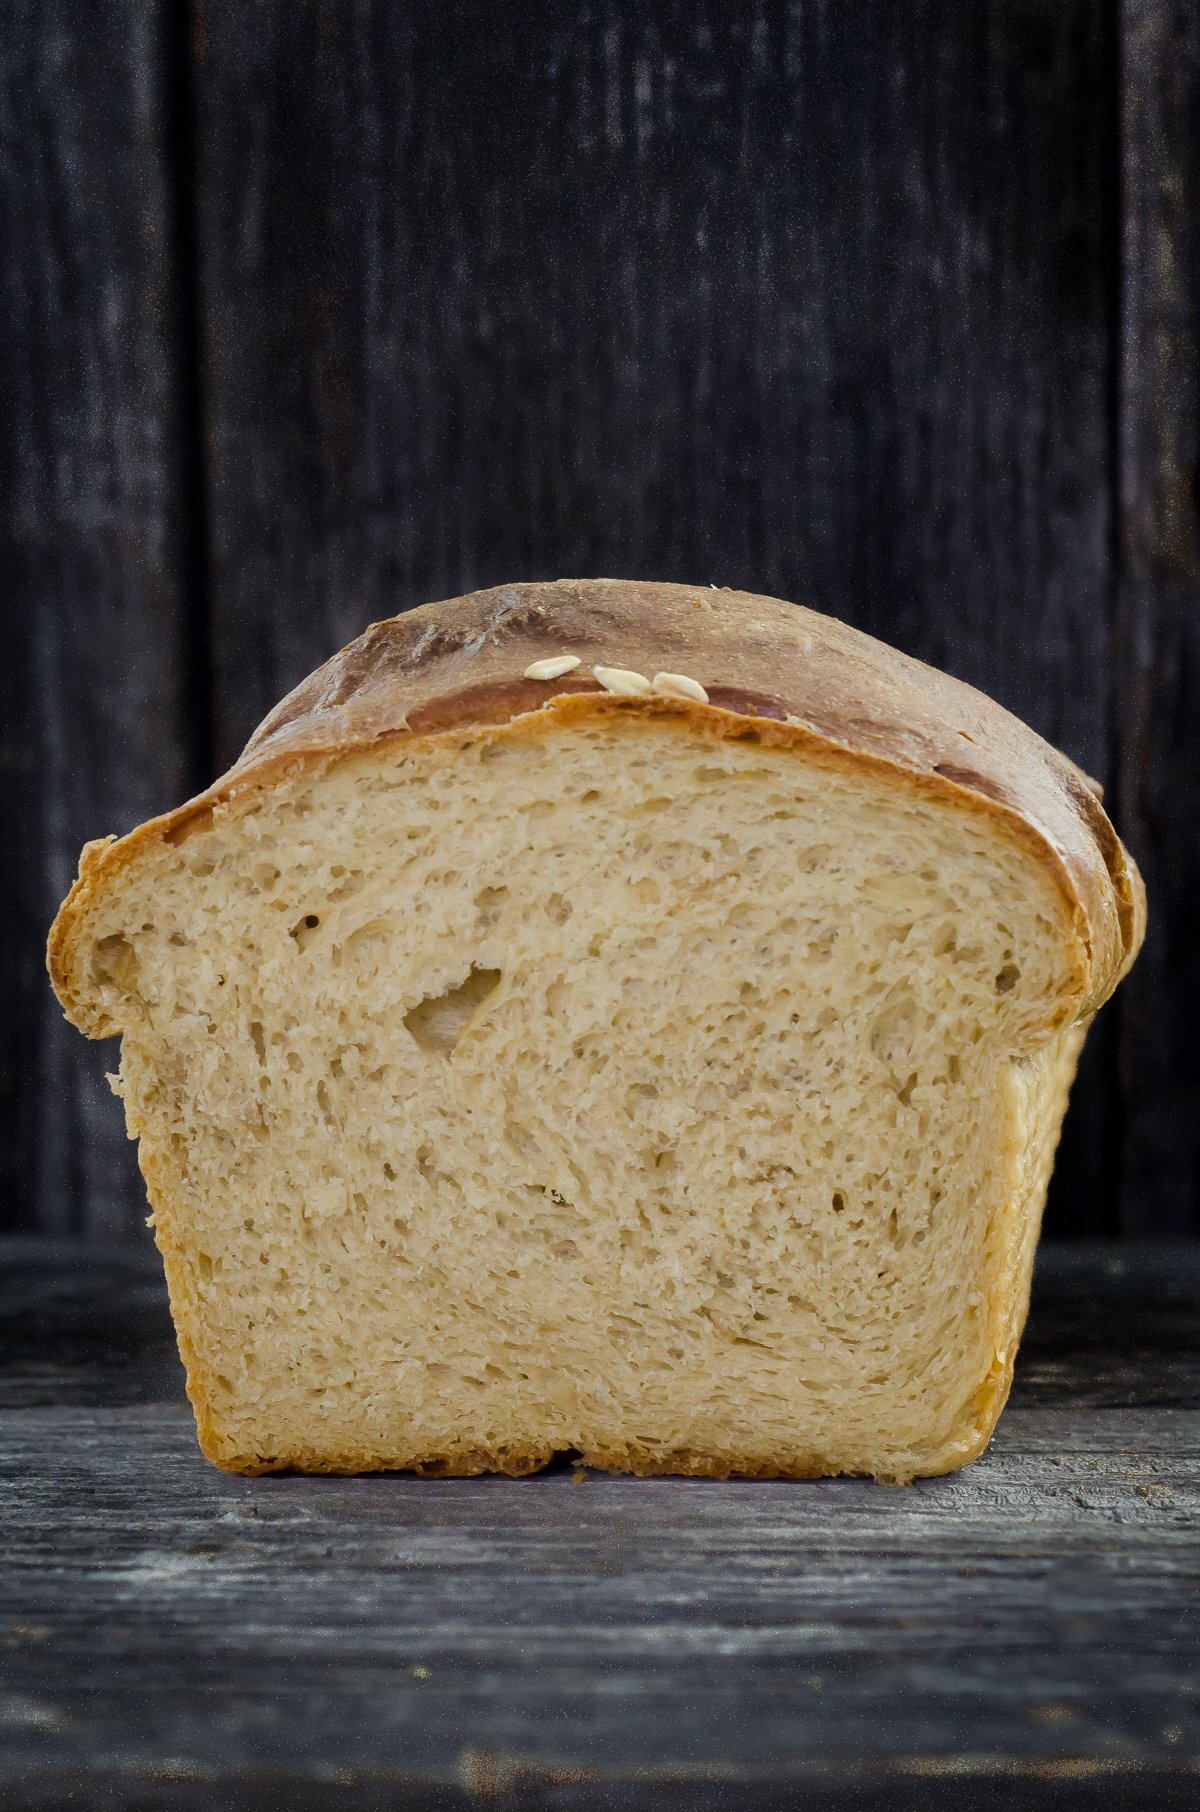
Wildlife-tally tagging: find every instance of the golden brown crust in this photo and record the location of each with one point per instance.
(775, 669)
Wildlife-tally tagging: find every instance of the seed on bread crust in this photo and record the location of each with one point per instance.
(553, 667)
(623, 682)
(678, 685)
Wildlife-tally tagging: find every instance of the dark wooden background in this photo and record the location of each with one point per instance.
(313, 311)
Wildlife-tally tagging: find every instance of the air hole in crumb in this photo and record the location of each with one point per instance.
(892, 1030)
(389, 1173)
(488, 904)
(115, 963)
(258, 1041)
(348, 883)
(205, 1265)
(839, 1202)
(363, 946)
(439, 1021)
(1007, 979)
(818, 855)
(191, 827)
(303, 929)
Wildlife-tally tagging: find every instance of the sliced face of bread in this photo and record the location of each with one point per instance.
(631, 1076)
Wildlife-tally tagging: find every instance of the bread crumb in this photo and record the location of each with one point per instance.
(623, 682)
(553, 667)
(678, 685)
(779, 933)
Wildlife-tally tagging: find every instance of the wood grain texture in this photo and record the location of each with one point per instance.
(93, 731)
(1159, 565)
(1024, 1634)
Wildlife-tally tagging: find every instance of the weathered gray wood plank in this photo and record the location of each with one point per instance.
(1025, 1633)
(1041, 1607)
(93, 710)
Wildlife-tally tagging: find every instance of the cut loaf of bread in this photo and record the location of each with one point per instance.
(615, 1019)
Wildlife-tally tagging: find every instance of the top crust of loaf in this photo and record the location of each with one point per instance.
(788, 674)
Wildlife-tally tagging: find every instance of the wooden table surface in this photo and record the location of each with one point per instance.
(1026, 1633)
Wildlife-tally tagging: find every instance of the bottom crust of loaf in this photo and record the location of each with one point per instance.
(516, 1461)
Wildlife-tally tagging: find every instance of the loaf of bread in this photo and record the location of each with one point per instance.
(613, 1019)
